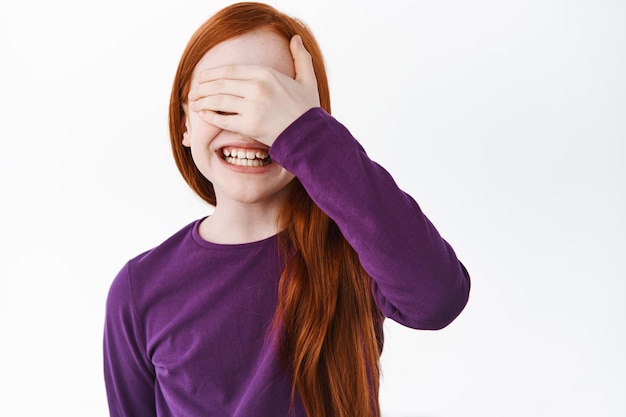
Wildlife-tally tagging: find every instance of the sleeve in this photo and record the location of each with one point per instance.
(128, 374)
(417, 279)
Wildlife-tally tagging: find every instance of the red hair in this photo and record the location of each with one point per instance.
(331, 327)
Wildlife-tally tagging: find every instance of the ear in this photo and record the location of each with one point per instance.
(186, 128)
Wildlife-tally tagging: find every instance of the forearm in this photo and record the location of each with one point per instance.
(417, 277)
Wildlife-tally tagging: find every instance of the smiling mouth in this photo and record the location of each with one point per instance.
(244, 157)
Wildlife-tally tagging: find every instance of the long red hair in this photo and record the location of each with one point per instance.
(330, 325)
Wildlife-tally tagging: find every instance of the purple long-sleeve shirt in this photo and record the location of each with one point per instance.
(186, 331)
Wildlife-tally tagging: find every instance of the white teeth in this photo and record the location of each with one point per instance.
(244, 162)
(246, 157)
(245, 153)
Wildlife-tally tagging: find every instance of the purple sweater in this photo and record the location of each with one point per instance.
(186, 331)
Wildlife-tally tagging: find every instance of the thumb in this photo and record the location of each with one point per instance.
(302, 61)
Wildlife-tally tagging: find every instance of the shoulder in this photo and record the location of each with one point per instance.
(148, 269)
(167, 249)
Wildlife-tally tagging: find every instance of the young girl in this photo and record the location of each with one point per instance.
(273, 305)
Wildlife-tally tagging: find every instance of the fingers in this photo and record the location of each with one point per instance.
(302, 61)
(235, 88)
(229, 72)
(254, 100)
(227, 89)
(221, 96)
(221, 121)
(220, 103)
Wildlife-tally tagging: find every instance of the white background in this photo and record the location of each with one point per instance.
(504, 119)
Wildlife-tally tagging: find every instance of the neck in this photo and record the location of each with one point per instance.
(236, 223)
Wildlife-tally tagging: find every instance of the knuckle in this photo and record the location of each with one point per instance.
(268, 76)
(258, 88)
(229, 69)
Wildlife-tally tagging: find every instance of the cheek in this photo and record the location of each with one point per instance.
(201, 135)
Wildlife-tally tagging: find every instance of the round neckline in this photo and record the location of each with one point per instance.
(195, 234)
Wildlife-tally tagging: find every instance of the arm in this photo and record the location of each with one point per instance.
(128, 373)
(418, 280)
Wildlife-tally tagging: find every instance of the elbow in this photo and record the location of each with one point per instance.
(441, 307)
(444, 316)
(452, 301)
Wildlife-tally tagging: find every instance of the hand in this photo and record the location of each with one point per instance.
(256, 101)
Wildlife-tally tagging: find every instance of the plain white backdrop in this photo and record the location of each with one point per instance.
(504, 119)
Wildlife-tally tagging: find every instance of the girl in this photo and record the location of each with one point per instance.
(272, 305)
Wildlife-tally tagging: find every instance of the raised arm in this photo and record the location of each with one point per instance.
(419, 281)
